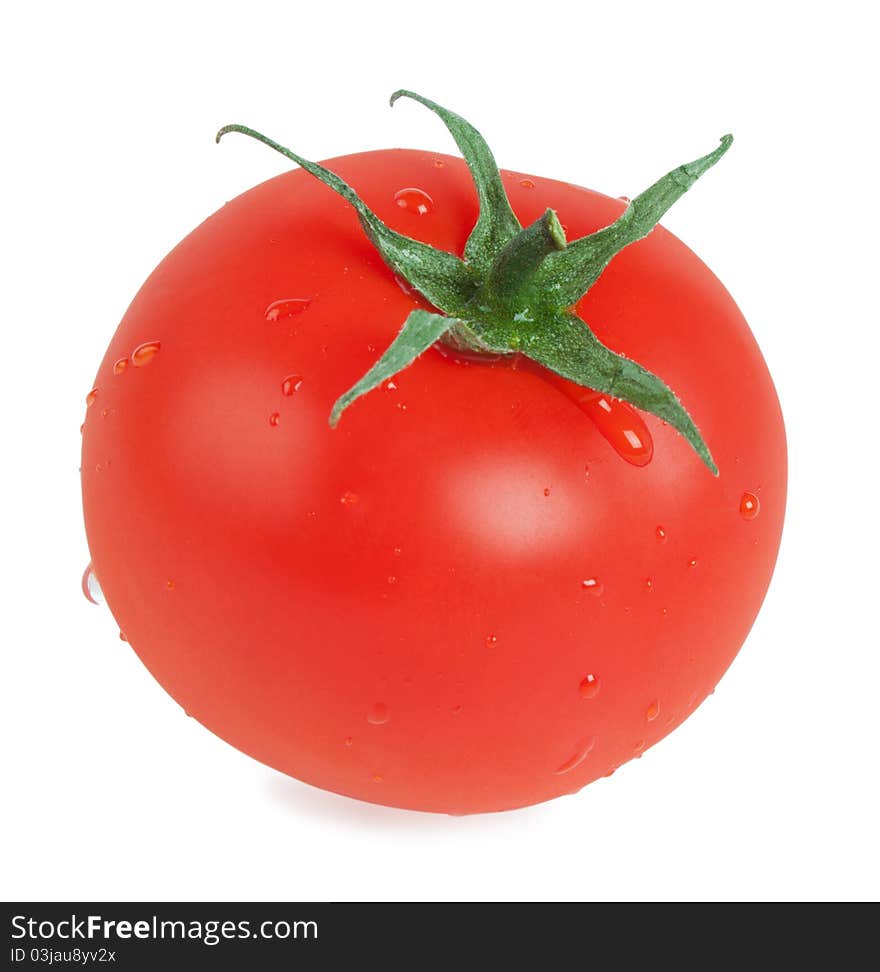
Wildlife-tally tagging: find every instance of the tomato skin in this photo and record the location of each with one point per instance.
(396, 609)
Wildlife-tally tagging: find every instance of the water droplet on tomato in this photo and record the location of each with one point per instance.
(749, 506)
(90, 398)
(392, 579)
(390, 385)
(439, 163)
(291, 384)
(620, 424)
(144, 353)
(527, 183)
(456, 709)
(170, 584)
(122, 637)
(348, 498)
(660, 534)
(377, 778)
(625, 199)
(589, 687)
(580, 754)
(120, 365)
(649, 583)
(652, 711)
(90, 586)
(546, 490)
(378, 714)
(692, 562)
(592, 584)
(639, 746)
(280, 310)
(349, 741)
(397, 551)
(275, 419)
(415, 201)
(491, 641)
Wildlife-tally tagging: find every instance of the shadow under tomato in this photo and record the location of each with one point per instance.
(299, 798)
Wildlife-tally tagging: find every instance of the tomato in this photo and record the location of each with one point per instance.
(483, 589)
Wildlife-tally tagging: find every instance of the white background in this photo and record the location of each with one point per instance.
(109, 110)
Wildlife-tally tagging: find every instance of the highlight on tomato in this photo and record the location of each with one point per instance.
(432, 484)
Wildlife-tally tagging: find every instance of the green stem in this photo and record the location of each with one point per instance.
(514, 268)
(515, 289)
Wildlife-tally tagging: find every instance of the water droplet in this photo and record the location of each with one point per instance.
(456, 709)
(692, 562)
(415, 201)
(392, 579)
(274, 419)
(90, 398)
(349, 741)
(90, 586)
(377, 778)
(122, 636)
(439, 163)
(405, 287)
(670, 722)
(281, 310)
(120, 365)
(649, 583)
(652, 711)
(491, 641)
(749, 505)
(527, 183)
(378, 714)
(660, 533)
(390, 385)
(144, 353)
(170, 584)
(402, 406)
(580, 754)
(625, 199)
(620, 424)
(592, 584)
(397, 551)
(291, 384)
(547, 491)
(348, 498)
(105, 412)
(589, 687)
(639, 746)
(82, 428)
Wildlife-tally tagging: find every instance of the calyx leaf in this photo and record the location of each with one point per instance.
(571, 349)
(496, 224)
(440, 276)
(570, 274)
(420, 330)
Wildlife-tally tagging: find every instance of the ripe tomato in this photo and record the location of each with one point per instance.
(466, 597)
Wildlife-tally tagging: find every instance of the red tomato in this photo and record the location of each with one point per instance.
(463, 598)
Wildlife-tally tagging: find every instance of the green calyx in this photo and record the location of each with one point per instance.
(514, 289)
